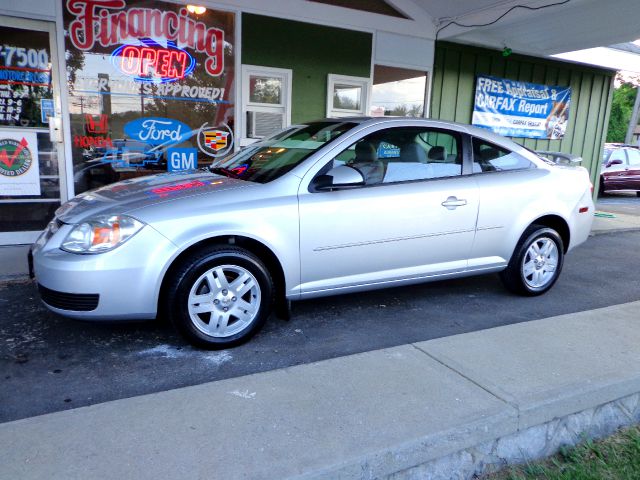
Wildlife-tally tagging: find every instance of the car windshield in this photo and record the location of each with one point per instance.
(269, 159)
(605, 154)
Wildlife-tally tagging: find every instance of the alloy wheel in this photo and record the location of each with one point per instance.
(224, 300)
(540, 263)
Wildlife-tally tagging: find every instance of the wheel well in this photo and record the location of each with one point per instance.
(559, 225)
(263, 252)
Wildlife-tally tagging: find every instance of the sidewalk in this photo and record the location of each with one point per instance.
(618, 222)
(616, 213)
(445, 408)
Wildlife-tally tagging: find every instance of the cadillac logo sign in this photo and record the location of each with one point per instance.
(215, 141)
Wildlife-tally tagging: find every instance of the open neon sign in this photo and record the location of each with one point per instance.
(152, 62)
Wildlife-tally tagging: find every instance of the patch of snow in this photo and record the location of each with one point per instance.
(169, 351)
(245, 394)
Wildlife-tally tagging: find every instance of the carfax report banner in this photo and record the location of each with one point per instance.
(521, 109)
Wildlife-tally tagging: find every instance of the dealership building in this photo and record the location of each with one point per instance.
(98, 91)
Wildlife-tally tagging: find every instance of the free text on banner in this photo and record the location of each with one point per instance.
(521, 109)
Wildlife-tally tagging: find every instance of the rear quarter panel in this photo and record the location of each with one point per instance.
(511, 201)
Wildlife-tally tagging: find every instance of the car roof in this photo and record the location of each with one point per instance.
(428, 122)
(619, 145)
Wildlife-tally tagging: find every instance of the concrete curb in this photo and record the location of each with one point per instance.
(614, 230)
(536, 442)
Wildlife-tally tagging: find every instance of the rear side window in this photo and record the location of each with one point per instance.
(488, 157)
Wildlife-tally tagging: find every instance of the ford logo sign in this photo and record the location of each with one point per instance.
(157, 130)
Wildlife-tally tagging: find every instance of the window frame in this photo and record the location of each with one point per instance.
(284, 108)
(356, 82)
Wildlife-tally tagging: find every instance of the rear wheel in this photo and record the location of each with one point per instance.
(220, 297)
(536, 262)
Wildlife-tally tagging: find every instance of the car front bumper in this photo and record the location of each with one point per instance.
(122, 284)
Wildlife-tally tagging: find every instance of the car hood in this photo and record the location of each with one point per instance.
(128, 195)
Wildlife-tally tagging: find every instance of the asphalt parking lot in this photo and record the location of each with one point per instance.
(49, 363)
(626, 203)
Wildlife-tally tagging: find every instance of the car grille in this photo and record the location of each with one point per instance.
(78, 302)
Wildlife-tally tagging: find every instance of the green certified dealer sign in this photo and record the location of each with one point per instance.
(15, 157)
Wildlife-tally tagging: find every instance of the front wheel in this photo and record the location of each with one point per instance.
(220, 297)
(536, 262)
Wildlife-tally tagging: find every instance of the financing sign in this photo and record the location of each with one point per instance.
(144, 76)
(521, 109)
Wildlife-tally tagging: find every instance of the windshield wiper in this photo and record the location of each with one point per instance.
(224, 171)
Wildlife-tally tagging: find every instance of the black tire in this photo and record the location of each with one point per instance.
(513, 277)
(197, 327)
(638, 194)
(601, 192)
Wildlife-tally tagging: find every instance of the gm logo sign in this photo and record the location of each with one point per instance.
(181, 159)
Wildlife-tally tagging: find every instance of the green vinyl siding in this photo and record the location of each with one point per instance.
(311, 52)
(456, 67)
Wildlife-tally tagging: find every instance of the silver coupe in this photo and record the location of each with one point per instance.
(335, 206)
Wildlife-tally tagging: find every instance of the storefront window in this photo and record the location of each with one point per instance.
(151, 88)
(398, 92)
(29, 177)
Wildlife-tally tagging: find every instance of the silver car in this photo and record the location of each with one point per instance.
(336, 206)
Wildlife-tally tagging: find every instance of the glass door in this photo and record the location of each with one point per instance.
(31, 153)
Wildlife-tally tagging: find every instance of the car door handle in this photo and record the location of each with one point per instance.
(453, 202)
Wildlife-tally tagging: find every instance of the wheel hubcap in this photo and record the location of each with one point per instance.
(224, 301)
(540, 262)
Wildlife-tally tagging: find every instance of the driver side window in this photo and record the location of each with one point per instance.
(619, 155)
(404, 154)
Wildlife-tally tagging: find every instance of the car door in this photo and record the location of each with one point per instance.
(414, 217)
(615, 170)
(633, 173)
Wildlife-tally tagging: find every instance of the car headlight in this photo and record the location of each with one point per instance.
(47, 233)
(101, 234)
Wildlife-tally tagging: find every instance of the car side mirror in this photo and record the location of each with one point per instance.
(617, 161)
(337, 178)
